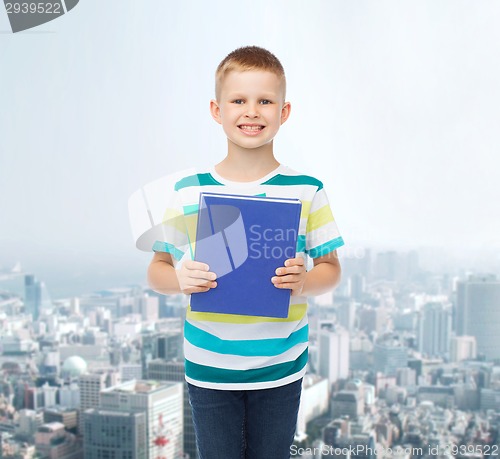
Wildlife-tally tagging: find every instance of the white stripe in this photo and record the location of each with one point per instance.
(320, 200)
(249, 386)
(251, 331)
(64, 6)
(238, 362)
(322, 234)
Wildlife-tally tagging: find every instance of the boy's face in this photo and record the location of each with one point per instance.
(250, 107)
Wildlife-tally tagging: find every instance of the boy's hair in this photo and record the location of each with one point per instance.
(249, 58)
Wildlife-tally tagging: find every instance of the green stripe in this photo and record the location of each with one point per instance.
(280, 179)
(301, 243)
(325, 248)
(196, 180)
(160, 246)
(249, 348)
(221, 375)
(192, 209)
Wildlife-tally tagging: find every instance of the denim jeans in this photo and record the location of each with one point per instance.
(247, 424)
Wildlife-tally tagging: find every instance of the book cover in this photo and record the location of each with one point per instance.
(244, 239)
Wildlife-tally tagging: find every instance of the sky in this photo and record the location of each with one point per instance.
(395, 107)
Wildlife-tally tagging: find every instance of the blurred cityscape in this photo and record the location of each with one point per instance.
(404, 362)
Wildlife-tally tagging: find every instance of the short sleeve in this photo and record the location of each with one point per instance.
(173, 237)
(322, 233)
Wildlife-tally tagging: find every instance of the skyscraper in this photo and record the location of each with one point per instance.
(333, 353)
(346, 313)
(32, 296)
(90, 386)
(115, 434)
(434, 329)
(388, 356)
(478, 313)
(463, 348)
(162, 405)
(171, 371)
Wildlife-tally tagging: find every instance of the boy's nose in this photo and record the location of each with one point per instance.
(252, 110)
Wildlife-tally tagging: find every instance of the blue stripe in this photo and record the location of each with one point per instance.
(250, 348)
(191, 209)
(325, 248)
(301, 243)
(280, 179)
(255, 375)
(196, 180)
(160, 246)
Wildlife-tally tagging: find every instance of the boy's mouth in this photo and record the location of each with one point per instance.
(251, 127)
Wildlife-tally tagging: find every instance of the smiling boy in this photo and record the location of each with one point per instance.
(244, 373)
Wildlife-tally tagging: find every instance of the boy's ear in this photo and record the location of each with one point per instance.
(285, 111)
(215, 111)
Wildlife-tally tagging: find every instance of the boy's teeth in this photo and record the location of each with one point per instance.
(251, 128)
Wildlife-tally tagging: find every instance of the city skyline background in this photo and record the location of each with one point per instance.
(394, 105)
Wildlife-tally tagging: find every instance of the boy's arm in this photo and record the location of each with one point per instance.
(323, 277)
(193, 276)
(161, 274)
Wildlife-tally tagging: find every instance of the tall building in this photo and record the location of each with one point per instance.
(347, 403)
(116, 434)
(131, 371)
(478, 313)
(149, 307)
(66, 416)
(463, 348)
(52, 441)
(346, 313)
(388, 356)
(434, 329)
(313, 402)
(29, 422)
(171, 371)
(333, 353)
(90, 386)
(32, 296)
(373, 319)
(162, 405)
(69, 396)
(357, 286)
(165, 345)
(336, 430)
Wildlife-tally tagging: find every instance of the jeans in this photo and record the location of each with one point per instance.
(246, 424)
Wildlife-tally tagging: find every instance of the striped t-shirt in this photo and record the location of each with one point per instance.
(238, 352)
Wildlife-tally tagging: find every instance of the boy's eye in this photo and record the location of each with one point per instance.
(238, 101)
(265, 101)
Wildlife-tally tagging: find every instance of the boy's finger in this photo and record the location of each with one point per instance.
(192, 264)
(199, 282)
(288, 285)
(291, 270)
(197, 274)
(294, 261)
(284, 279)
(196, 290)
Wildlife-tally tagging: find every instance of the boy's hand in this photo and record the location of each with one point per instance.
(195, 277)
(292, 276)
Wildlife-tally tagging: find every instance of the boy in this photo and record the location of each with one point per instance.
(244, 373)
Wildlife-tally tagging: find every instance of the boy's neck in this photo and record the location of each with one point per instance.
(247, 165)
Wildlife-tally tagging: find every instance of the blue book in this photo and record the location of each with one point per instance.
(243, 239)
